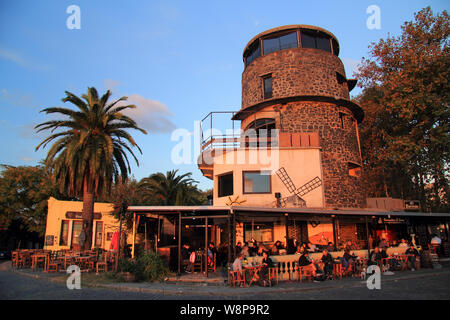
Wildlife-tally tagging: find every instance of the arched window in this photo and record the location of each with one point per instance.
(263, 128)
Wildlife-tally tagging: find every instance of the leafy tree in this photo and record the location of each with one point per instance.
(24, 192)
(90, 152)
(170, 189)
(406, 96)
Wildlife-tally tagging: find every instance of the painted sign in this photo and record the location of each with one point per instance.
(79, 215)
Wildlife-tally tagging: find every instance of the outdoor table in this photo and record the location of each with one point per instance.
(254, 271)
(66, 258)
(83, 260)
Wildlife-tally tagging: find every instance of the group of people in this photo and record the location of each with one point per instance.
(263, 276)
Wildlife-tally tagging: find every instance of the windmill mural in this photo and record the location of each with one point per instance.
(296, 193)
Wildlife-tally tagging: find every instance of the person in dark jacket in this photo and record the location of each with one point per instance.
(413, 254)
(305, 262)
(185, 254)
(327, 260)
(375, 257)
(264, 272)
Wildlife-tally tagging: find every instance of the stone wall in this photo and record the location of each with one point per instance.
(295, 72)
(339, 147)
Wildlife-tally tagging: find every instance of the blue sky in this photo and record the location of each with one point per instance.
(177, 60)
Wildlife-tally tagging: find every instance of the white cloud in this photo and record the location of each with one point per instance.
(16, 99)
(351, 66)
(150, 115)
(17, 58)
(111, 84)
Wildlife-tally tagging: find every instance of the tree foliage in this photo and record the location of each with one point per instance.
(405, 135)
(24, 192)
(90, 147)
(171, 189)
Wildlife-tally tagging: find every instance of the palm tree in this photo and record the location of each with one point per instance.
(90, 152)
(166, 189)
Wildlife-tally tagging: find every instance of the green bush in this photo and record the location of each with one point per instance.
(146, 267)
(150, 267)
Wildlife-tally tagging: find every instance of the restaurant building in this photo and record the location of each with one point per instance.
(291, 171)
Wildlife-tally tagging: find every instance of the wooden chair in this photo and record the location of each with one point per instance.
(236, 277)
(198, 264)
(273, 274)
(305, 272)
(14, 259)
(337, 270)
(53, 263)
(102, 264)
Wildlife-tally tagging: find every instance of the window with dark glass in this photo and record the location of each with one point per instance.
(64, 236)
(263, 127)
(280, 43)
(252, 53)
(308, 40)
(225, 185)
(267, 87)
(315, 41)
(335, 47)
(323, 44)
(98, 234)
(256, 182)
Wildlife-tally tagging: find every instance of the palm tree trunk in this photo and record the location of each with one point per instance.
(88, 216)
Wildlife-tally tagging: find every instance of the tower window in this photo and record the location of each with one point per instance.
(267, 87)
(225, 185)
(279, 43)
(354, 169)
(342, 119)
(252, 53)
(315, 41)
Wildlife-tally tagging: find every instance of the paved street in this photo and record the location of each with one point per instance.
(424, 284)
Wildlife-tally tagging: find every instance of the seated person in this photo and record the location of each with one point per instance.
(252, 248)
(327, 260)
(276, 247)
(349, 246)
(383, 244)
(330, 247)
(306, 263)
(375, 257)
(413, 255)
(347, 259)
(264, 272)
(238, 247)
(312, 247)
(403, 244)
(185, 255)
(245, 251)
(211, 252)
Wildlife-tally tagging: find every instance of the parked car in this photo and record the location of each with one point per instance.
(5, 254)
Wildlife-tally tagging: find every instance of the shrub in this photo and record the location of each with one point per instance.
(150, 267)
(146, 267)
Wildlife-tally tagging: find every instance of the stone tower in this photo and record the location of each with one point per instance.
(294, 81)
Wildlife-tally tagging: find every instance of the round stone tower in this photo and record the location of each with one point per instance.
(294, 73)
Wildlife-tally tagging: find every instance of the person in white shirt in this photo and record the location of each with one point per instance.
(237, 264)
